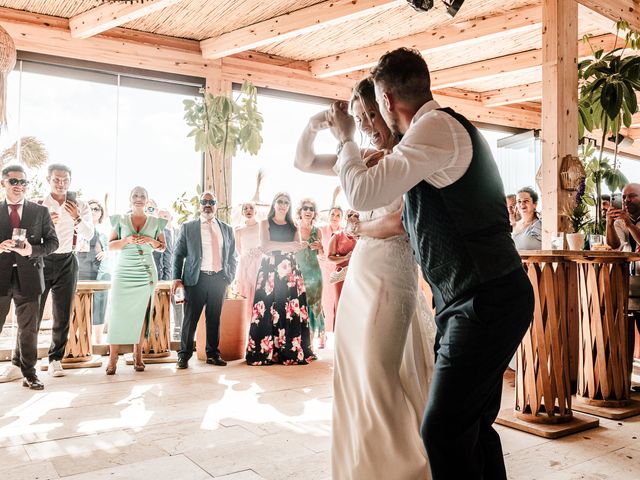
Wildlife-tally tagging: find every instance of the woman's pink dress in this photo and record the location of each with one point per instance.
(249, 262)
(329, 300)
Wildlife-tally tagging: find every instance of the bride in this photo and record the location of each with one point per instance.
(385, 331)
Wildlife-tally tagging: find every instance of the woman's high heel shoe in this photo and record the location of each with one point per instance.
(111, 369)
(138, 367)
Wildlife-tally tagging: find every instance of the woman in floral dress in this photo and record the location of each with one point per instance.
(279, 330)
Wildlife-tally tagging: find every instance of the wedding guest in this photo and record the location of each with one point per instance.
(164, 264)
(204, 264)
(93, 265)
(329, 299)
(307, 258)
(605, 204)
(135, 236)
(459, 231)
(248, 246)
(340, 247)
(279, 330)
(512, 208)
(21, 277)
(72, 219)
(527, 233)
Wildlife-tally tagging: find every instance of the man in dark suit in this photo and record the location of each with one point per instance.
(204, 264)
(21, 267)
(164, 264)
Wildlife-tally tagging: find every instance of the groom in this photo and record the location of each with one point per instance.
(459, 230)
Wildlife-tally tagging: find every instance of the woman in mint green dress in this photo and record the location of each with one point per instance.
(310, 267)
(136, 236)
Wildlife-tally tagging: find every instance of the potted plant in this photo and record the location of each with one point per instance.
(609, 83)
(578, 218)
(224, 124)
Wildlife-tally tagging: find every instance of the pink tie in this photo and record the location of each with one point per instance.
(215, 249)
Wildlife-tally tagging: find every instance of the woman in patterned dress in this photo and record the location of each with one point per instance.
(308, 260)
(279, 330)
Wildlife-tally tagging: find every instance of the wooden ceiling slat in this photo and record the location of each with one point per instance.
(430, 41)
(110, 15)
(289, 25)
(614, 10)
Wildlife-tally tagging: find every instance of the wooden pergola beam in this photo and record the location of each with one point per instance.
(113, 14)
(506, 96)
(483, 28)
(289, 25)
(615, 10)
(517, 62)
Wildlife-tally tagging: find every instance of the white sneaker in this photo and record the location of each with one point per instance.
(55, 368)
(10, 373)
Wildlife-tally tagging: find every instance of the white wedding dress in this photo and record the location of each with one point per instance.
(383, 363)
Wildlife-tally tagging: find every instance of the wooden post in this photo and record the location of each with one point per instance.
(559, 107)
(217, 171)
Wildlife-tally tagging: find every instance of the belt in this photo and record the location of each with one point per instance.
(59, 255)
(209, 272)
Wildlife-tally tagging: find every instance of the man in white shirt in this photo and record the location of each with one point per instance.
(459, 229)
(204, 264)
(73, 222)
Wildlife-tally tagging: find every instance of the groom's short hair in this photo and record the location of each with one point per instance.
(404, 73)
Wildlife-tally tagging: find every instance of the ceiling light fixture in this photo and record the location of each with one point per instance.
(425, 5)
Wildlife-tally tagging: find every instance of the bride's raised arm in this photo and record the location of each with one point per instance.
(306, 159)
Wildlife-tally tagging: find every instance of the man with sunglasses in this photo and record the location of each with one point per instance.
(74, 223)
(21, 276)
(204, 264)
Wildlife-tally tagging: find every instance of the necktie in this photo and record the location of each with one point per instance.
(14, 217)
(215, 249)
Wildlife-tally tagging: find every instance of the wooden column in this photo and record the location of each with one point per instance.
(216, 177)
(559, 106)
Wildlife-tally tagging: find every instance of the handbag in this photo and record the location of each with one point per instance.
(338, 275)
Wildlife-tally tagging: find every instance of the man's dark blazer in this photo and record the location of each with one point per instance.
(164, 260)
(41, 234)
(187, 255)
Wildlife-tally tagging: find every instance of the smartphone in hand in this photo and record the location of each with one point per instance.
(71, 196)
(616, 201)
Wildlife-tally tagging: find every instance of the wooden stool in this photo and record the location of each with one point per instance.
(156, 348)
(604, 375)
(543, 381)
(79, 350)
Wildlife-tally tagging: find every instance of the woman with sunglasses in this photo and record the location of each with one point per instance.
(279, 330)
(339, 252)
(135, 236)
(385, 333)
(329, 300)
(93, 265)
(310, 267)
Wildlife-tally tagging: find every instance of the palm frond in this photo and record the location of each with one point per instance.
(33, 153)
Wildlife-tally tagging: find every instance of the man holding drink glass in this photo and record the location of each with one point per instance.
(21, 270)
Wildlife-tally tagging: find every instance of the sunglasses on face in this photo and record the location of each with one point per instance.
(353, 215)
(151, 209)
(96, 209)
(282, 202)
(308, 208)
(18, 181)
(208, 202)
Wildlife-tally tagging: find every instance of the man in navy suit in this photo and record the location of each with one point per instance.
(21, 269)
(204, 264)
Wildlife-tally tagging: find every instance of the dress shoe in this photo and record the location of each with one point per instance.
(216, 361)
(182, 363)
(111, 369)
(138, 366)
(33, 383)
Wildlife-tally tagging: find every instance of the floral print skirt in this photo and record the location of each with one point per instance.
(279, 331)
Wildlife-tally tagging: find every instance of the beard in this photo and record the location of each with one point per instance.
(207, 215)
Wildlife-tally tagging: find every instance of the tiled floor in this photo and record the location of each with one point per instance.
(233, 423)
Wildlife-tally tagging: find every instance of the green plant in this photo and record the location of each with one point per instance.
(188, 208)
(609, 83)
(578, 215)
(225, 125)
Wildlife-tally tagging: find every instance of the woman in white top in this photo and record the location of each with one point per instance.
(527, 233)
(384, 332)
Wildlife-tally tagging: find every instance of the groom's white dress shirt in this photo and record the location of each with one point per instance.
(436, 148)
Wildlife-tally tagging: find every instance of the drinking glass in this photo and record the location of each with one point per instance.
(19, 235)
(557, 241)
(596, 241)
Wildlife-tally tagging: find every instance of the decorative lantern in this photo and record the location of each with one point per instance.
(7, 62)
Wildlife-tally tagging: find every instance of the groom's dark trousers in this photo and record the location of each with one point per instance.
(477, 335)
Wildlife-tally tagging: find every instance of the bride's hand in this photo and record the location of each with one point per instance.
(319, 121)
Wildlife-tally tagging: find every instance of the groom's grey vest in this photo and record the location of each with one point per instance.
(460, 234)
